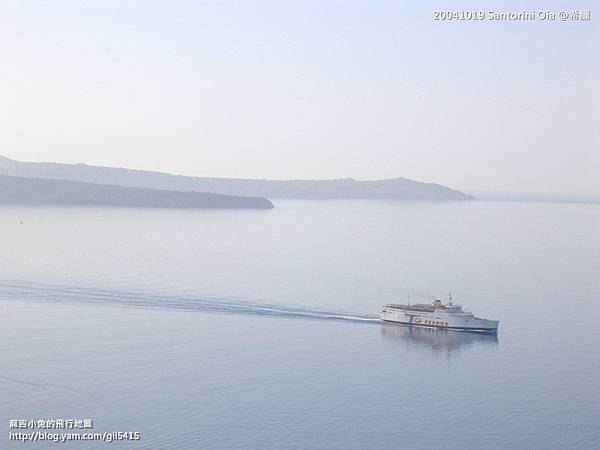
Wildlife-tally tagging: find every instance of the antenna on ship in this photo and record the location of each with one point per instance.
(408, 296)
(450, 298)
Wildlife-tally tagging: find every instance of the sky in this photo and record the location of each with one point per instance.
(306, 89)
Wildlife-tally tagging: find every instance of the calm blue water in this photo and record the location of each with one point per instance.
(254, 329)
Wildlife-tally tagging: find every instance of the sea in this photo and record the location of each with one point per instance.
(243, 329)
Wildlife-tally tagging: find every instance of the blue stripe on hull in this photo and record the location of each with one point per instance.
(479, 330)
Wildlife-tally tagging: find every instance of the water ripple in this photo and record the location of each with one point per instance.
(184, 302)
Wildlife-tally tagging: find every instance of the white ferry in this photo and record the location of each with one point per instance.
(438, 315)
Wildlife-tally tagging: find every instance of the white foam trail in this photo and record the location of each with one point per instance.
(94, 296)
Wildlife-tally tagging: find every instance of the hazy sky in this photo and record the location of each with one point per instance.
(303, 89)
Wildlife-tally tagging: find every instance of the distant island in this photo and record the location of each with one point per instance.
(401, 189)
(40, 191)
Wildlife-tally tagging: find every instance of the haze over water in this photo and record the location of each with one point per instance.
(253, 329)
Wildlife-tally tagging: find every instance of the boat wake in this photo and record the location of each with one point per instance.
(51, 293)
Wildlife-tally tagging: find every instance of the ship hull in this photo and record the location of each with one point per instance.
(440, 320)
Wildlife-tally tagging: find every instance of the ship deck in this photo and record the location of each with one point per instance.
(417, 307)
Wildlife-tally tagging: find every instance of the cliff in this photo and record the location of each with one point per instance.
(40, 191)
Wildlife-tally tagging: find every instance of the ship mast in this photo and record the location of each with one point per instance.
(450, 298)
